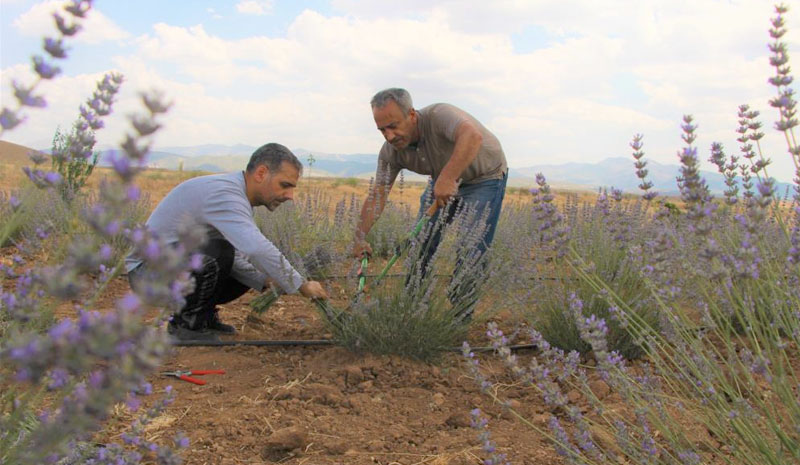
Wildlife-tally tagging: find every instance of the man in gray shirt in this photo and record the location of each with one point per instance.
(463, 158)
(237, 256)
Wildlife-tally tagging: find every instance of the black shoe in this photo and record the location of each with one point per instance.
(215, 325)
(179, 333)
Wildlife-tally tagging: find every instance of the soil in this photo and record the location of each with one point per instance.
(327, 405)
(321, 404)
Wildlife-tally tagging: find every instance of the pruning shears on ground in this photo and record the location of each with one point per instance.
(187, 375)
(399, 251)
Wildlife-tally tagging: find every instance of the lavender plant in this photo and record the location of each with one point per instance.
(719, 382)
(390, 230)
(60, 383)
(599, 239)
(424, 314)
(72, 153)
(301, 227)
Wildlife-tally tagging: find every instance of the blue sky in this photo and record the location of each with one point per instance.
(557, 81)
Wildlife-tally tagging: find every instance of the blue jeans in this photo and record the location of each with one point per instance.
(480, 197)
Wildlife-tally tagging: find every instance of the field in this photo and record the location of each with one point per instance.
(319, 404)
(345, 403)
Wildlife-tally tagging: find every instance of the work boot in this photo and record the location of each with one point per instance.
(215, 325)
(179, 333)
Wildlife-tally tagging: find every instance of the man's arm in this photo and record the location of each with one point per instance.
(372, 208)
(468, 142)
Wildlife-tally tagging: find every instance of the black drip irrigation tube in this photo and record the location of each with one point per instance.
(316, 342)
(438, 275)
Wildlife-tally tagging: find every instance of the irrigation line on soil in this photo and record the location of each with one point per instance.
(438, 275)
(312, 342)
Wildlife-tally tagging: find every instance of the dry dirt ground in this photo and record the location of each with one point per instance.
(327, 405)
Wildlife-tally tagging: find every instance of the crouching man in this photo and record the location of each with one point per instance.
(237, 256)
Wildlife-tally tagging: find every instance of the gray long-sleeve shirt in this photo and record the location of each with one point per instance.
(220, 203)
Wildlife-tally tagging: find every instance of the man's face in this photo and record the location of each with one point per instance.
(398, 129)
(274, 188)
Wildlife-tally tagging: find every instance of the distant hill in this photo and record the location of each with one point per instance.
(14, 154)
(612, 172)
(217, 158)
(210, 149)
(619, 172)
(615, 172)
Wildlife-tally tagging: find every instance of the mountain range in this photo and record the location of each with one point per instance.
(615, 172)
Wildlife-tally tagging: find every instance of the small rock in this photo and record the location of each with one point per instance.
(336, 447)
(398, 431)
(365, 385)
(353, 375)
(439, 399)
(459, 420)
(376, 445)
(506, 413)
(600, 389)
(318, 391)
(541, 419)
(574, 396)
(283, 441)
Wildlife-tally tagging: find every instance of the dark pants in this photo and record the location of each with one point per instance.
(482, 203)
(213, 285)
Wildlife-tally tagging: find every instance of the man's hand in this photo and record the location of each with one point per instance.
(360, 247)
(313, 290)
(444, 189)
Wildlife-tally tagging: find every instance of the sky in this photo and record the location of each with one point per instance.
(556, 81)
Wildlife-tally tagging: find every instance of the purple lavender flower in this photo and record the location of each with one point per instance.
(43, 69)
(79, 8)
(9, 119)
(480, 423)
(25, 97)
(64, 28)
(55, 47)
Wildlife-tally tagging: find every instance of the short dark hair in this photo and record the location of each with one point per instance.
(399, 96)
(272, 155)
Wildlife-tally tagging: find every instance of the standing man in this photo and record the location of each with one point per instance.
(464, 159)
(237, 256)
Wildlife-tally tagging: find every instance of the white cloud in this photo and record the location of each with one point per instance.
(252, 7)
(214, 13)
(38, 21)
(64, 96)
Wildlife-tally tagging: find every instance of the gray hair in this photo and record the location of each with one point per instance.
(272, 155)
(399, 96)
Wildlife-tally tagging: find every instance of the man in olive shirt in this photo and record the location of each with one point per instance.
(463, 158)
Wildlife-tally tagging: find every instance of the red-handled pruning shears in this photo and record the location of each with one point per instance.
(187, 375)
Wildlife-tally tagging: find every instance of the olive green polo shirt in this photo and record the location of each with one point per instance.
(437, 126)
